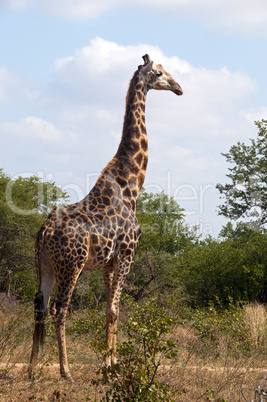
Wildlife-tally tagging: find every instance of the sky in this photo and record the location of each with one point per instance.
(65, 68)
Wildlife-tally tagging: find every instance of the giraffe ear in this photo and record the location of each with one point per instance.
(147, 67)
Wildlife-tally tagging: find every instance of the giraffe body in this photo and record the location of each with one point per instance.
(101, 231)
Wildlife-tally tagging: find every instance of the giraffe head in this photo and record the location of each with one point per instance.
(156, 77)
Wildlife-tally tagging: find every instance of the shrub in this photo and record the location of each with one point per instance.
(222, 330)
(134, 377)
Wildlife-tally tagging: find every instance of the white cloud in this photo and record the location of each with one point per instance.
(189, 159)
(70, 9)
(32, 127)
(244, 17)
(88, 90)
(210, 109)
(102, 67)
(101, 58)
(225, 16)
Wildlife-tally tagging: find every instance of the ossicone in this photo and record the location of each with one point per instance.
(147, 66)
(146, 59)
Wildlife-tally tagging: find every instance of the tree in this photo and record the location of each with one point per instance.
(234, 268)
(162, 223)
(246, 195)
(24, 204)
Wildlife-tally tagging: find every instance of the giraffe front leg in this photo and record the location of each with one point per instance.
(112, 317)
(108, 274)
(60, 319)
(114, 278)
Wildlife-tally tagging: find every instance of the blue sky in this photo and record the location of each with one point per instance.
(64, 72)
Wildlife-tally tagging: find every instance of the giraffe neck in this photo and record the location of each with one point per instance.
(133, 148)
(125, 173)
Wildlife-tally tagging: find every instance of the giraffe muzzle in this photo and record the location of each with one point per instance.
(175, 88)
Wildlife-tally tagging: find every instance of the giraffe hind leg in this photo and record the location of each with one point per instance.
(39, 316)
(59, 310)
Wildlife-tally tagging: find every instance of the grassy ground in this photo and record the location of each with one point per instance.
(212, 367)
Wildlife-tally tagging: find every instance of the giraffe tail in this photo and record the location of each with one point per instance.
(39, 330)
(39, 307)
(39, 317)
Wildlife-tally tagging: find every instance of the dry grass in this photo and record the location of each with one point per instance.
(195, 383)
(256, 319)
(201, 377)
(197, 377)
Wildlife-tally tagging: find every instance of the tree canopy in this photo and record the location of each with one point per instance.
(246, 195)
(24, 204)
(162, 223)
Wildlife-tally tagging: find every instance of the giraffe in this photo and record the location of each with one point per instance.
(100, 231)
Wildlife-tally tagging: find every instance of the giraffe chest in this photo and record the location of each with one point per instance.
(101, 251)
(107, 244)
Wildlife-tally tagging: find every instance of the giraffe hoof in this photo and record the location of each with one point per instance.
(30, 373)
(113, 361)
(107, 361)
(67, 376)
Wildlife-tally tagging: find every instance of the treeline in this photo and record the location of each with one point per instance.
(24, 205)
(229, 269)
(171, 257)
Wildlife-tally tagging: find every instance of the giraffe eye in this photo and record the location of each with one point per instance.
(158, 73)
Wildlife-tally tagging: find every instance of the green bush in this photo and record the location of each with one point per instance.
(222, 330)
(89, 322)
(233, 268)
(135, 376)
